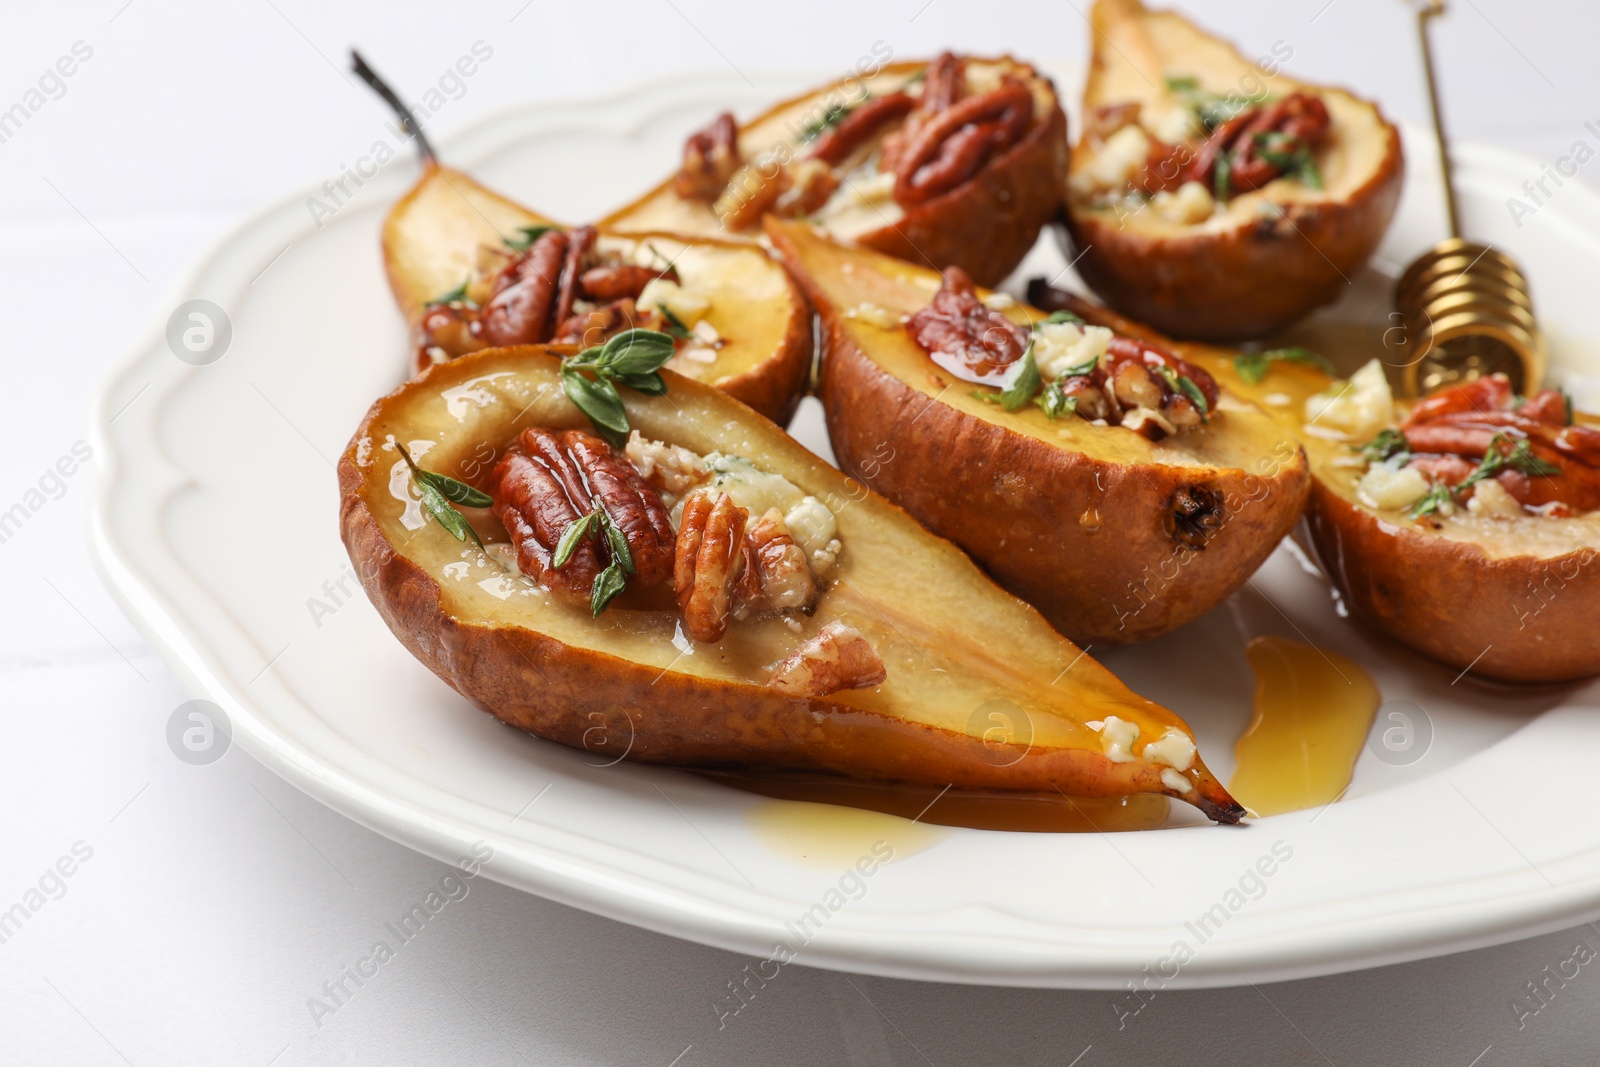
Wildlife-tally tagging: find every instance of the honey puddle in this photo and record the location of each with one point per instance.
(1313, 712)
(828, 820)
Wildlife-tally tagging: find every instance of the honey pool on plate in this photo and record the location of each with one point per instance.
(1313, 711)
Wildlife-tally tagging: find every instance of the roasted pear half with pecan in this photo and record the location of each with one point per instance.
(1214, 197)
(709, 594)
(471, 268)
(1107, 481)
(957, 161)
(1465, 525)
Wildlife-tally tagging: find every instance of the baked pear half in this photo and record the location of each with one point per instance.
(955, 161)
(472, 269)
(1217, 198)
(1464, 525)
(708, 594)
(1103, 479)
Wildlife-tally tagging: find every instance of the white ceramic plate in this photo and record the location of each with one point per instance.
(215, 524)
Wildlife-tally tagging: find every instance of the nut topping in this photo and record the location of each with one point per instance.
(808, 185)
(944, 82)
(964, 335)
(957, 142)
(553, 480)
(1141, 385)
(633, 505)
(519, 312)
(1260, 142)
(580, 243)
(1477, 431)
(776, 576)
(837, 142)
(709, 558)
(709, 159)
(604, 284)
(838, 657)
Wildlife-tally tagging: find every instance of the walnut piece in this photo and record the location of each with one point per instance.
(838, 657)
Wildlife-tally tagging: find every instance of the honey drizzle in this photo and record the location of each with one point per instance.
(975, 809)
(1313, 711)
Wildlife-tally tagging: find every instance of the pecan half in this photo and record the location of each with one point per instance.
(838, 657)
(524, 294)
(964, 335)
(604, 284)
(581, 243)
(776, 576)
(710, 157)
(708, 560)
(1449, 432)
(945, 83)
(1300, 120)
(956, 143)
(1481, 395)
(633, 505)
(838, 141)
(552, 480)
(1548, 406)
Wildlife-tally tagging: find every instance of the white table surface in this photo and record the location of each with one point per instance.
(216, 900)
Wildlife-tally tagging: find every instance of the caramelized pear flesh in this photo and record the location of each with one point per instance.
(980, 692)
(436, 237)
(1115, 538)
(1256, 261)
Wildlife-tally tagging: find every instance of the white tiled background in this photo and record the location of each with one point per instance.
(218, 899)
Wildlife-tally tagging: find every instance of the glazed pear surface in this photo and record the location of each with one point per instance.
(436, 237)
(1115, 538)
(979, 692)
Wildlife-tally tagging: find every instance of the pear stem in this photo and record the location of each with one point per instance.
(407, 119)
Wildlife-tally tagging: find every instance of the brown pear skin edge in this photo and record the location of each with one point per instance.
(1253, 276)
(1511, 617)
(556, 673)
(1516, 619)
(431, 239)
(985, 225)
(1171, 533)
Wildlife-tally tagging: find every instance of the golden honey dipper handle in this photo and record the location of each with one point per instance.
(1465, 305)
(1426, 11)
